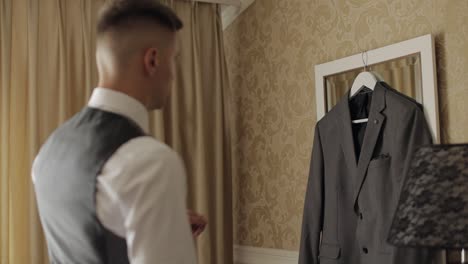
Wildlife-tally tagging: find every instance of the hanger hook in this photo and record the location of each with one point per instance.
(364, 60)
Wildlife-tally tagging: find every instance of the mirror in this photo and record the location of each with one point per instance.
(408, 66)
(403, 74)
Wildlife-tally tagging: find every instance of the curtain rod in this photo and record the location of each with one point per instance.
(223, 2)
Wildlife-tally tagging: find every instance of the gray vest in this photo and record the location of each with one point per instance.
(65, 183)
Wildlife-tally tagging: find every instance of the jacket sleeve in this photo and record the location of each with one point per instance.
(313, 206)
(416, 134)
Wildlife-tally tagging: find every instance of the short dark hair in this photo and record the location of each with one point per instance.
(120, 12)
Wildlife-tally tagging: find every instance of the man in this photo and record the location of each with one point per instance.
(106, 191)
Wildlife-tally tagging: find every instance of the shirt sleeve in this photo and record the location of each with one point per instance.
(416, 133)
(145, 182)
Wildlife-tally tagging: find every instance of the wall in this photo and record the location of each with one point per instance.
(271, 51)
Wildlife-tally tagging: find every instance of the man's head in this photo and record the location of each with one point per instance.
(136, 49)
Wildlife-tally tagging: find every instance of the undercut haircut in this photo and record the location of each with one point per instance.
(118, 13)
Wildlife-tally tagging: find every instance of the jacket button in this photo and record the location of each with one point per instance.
(365, 250)
(360, 216)
(376, 121)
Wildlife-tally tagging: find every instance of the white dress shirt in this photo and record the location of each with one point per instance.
(141, 191)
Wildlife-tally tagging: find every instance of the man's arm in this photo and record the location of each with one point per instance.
(149, 186)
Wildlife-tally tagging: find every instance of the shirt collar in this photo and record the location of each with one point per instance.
(120, 103)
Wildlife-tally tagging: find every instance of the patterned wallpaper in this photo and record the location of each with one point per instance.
(271, 51)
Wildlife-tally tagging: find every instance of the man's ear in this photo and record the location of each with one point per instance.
(151, 60)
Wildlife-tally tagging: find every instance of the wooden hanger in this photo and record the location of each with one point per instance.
(365, 79)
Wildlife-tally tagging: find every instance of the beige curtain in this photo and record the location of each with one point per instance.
(195, 124)
(47, 71)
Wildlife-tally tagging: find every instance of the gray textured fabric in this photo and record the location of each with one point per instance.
(349, 203)
(65, 183)
(433, 206)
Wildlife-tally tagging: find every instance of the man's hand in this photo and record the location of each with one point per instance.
(197, 222)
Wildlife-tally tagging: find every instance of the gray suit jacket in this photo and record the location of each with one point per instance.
(349, 203)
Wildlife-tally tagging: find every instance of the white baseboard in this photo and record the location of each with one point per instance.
(253, 255)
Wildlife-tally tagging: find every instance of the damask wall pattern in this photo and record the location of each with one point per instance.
(271, 51)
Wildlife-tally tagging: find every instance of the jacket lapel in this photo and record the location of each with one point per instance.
(374, 125)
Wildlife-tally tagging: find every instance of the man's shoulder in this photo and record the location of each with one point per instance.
(146, 147)
(143, 159)
(147, 143)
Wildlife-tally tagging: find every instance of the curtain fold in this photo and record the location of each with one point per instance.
(195, 123)
(47, 72)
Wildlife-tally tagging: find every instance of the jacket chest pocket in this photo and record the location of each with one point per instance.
(380, 162)
(378, 172)
(329, 254)
(377, 181)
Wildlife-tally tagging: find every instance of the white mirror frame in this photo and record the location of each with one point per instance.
(424, 46)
